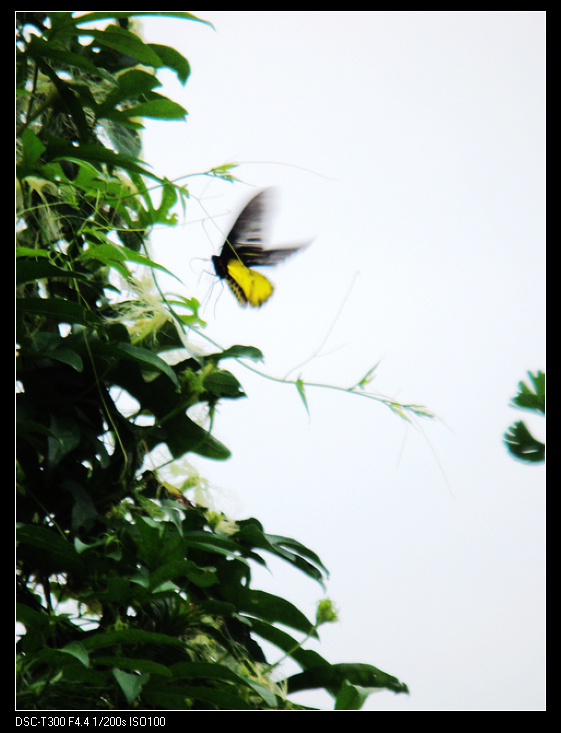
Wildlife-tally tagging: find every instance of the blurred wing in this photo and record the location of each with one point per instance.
(245, 240)
(248, 285)
(274, 256)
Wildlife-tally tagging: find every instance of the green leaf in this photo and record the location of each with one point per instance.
(127, 141)
(32, 150)
(110, 254)
(288, 644)
(29, 270)
(59, 310)
(95, 154)
(237, 352)
(519, 441)
(104, 639)
(172, 59)
(181, 697)
(30, 252)
(211, 543)
(69, 99)
(271, 608)
(182, 436)
(168, 199)
(48, 549)
(217, 671)
(300, 388)
(157, 109)
(131, 663)
(130, 684)
(54, 346)
(39, 48)
(67, 356)
(125, 42)
(65, 438)
(222, 383)
(251, 532)
(532, 399)
(146, 359)
(332, 676)
(132, 84)
(522, 444)
(32, 620)
(77, 649)
(352, 697)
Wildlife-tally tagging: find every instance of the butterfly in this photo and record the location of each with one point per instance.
(243, 250)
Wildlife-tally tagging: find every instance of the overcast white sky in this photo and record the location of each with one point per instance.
(410, 145)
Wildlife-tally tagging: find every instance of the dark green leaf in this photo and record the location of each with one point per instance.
(127, 141)
(532, 399)
(28, 270)
(54, 346)
(145, 359)
(102, 640)
(65, 438)
(182, 697)
(223, 384)
(522, 444)
(182, 436)
(169, 198)
(238, 352)
(272, 608)
(158, 109)
(288, 644)
(132, 84)
(96, 154)
(126, 43)
(331, 677)
(172, 59)
(39, 48)
(519, 441)
(130, 663)
(216, 671)
(211, 543)
(32, 150)
(112, 253)
(288, 549)
(351, 697)
(130, 684)
(50, 550)
(62, 311)
(69, 98)
(77, 650)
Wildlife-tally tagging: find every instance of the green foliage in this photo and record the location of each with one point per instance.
(518, 439)
(131, 596)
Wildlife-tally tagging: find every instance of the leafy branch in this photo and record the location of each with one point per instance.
(518, 439)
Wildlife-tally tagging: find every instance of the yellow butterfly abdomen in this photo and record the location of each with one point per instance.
(249, 286)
